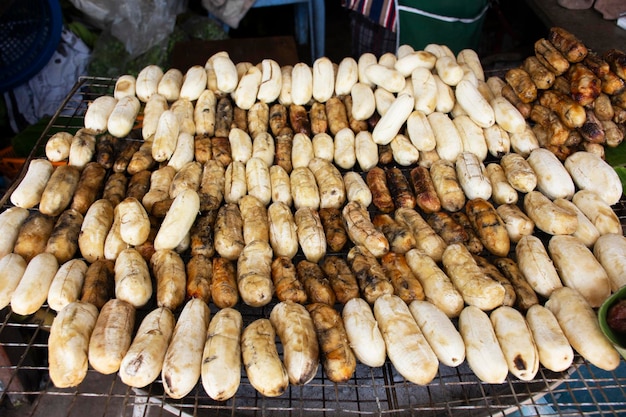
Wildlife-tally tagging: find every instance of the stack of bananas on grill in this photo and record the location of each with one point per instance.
(391, 205)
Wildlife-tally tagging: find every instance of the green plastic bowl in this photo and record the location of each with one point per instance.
(618, 340)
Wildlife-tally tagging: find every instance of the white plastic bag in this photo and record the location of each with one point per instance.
(138, 24)
(42, 94)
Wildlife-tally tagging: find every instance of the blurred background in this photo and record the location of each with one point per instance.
(76, 43)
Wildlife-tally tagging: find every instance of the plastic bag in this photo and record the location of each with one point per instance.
(138, 24)
(42, 94)
(109, 57)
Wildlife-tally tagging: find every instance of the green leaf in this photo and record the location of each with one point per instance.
(25, 141)
(616, 156)
(83, 33)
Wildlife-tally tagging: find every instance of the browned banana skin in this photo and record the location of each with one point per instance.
(574, 139)
(541, 76)
(223, 117)
(33, 235)
(405, 283)
(99, 285)
(106, 145)
(376, 180)
(619, 116)
(426, 197)
(525, 295)
(341, 278)
(613, 132)
(488, 226)
(549, 120)
(400, 188)
(612, 84)
(115, 188)
(211, 190)
(570, 112)
(90, 185)
(592, 130)
(160, 208)
(585, 87)
(202, 148)
(401, 239)
(385, 154)
(316, 284)
(447, 186)
(224, 292)
(286, 283)
(597, 64)
(618, 100)
(594, 148)
(202, 234)
(494, 273)
(549, 56)
(356, 125)
(125, 155)
(278, 118)
(240, 119)
(337, 115)
(146, 249)
(508, 93)
(283, 143)
(199, 270)
(334, 229)
(603, 108)
(220, 148)
(373, 120)
(567, 44)
(446, 227)
(562, 151)
(369, 274)
(258, 119)
(561, 84)
(474, 245)
(60, 189)
(141, 160)
(63, 241)
(139, 185)
(319, 121)
(338, 358)
(522, 84)
(617, 61)
(299, 119)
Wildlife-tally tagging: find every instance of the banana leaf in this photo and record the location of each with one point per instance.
(616, 157)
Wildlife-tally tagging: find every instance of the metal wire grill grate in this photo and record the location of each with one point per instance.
(581, 390)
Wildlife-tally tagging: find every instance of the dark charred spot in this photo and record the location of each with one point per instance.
(519, 363)
(167, 380)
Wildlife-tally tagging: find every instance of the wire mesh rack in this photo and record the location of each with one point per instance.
(26, 390)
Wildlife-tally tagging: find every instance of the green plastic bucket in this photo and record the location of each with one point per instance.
(457, 24)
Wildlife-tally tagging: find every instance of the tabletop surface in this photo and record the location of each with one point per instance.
(588, 25)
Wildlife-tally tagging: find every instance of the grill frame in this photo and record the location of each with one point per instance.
(582, 389)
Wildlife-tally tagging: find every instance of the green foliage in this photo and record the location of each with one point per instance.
(25, 141)
(83, 32)
(616, 156)
(110, 58)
